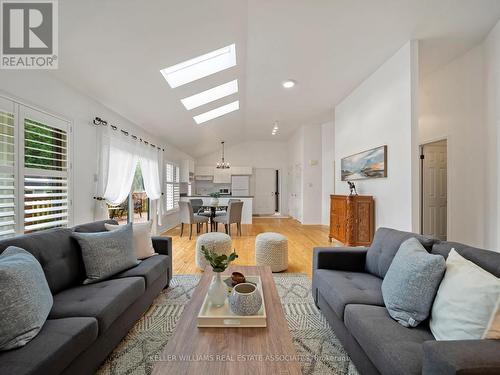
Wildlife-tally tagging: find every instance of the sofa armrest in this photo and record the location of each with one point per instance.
(162, 245)
(464, 357)
(340, 258)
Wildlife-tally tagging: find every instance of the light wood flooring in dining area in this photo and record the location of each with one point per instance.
(301, 241)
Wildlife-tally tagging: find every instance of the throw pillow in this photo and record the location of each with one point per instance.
(410, 285)
(107, 253)
(142, 238)
(467, 302)
(384, 247)
(26, 298)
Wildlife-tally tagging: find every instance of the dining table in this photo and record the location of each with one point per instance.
(213, 212)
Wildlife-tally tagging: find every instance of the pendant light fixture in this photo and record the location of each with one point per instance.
(222, 164)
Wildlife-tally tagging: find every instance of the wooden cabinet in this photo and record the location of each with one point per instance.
(352, 219)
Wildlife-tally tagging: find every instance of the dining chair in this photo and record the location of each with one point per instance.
(188, 217)
(198, 207)
(233, 216)
(224, 212)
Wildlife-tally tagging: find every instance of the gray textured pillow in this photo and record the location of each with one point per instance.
(107, 253)
(26, 299)
(411, 283)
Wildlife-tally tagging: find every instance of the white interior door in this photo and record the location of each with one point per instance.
(265, 191)
(434, 184)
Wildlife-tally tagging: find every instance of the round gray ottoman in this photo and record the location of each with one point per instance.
(219, 243)
(271, 249)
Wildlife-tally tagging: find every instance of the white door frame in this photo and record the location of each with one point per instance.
(447, 139)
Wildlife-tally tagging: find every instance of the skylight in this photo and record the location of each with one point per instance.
(201, 66)
(210, 95)
(217, 112)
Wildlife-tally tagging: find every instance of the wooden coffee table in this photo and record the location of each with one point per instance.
(235, 351)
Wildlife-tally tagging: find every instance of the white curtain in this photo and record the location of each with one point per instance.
(148, 160)
(100, 208)
(121, 168)
(118, 158)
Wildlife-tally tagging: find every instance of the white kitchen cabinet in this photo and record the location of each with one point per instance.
(187, 171)
(241, 171)
(222, 176)
(203, 171)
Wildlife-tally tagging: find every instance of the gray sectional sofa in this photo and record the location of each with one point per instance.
(347, 289)
(86, 321)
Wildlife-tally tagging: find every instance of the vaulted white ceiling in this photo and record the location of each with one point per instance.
(113, 50)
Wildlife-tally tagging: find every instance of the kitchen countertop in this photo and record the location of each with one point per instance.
(222, 196)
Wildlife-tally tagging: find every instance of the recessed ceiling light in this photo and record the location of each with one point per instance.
(201, 66)
(288, 84)
(210, 95)
(217, 112)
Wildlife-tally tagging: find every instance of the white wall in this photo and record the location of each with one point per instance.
(312, 176)
(328, 171)
(42, 91)
(380, 112)
(460, 102)
(295, 174)
(452, 104)
(257, 154)
(492, 116)
(309, 165)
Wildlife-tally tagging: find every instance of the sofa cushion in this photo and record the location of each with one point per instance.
(59, 342)
(59, 255)
(385, 246)
(392, 348)
(105, 300)
(340, 288)
(26, 298)
(107, 253)
(486, 259)
(151, 269)
(411, 283)
(96, 226)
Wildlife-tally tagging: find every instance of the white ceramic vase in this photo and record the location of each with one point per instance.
(245, 299)
(214, 201)
(217, 292)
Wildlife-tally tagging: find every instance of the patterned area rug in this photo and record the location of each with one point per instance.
(317, 346)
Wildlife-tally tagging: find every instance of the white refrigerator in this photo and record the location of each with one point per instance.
(240, 186)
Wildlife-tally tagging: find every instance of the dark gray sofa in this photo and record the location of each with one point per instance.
(86, 321)
(347, 289)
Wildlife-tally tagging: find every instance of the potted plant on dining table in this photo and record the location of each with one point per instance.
(215, 199)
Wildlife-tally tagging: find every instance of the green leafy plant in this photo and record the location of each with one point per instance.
(215, 195)
(218, 262)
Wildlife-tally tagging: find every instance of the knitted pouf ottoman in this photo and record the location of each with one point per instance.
(219, 243)
(271, 249)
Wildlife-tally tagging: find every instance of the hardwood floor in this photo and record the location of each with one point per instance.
(301, 241)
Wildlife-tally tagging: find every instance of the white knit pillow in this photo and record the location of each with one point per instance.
(467, 302)
(142, 238)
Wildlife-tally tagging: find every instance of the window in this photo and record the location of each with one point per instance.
(172, 188)
(136, 199)
(217, 112)
(211, 95)
(139, 198)
(201, 66)
(34, 170)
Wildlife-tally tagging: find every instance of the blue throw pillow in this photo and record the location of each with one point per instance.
(26, 299)
(411, 283)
